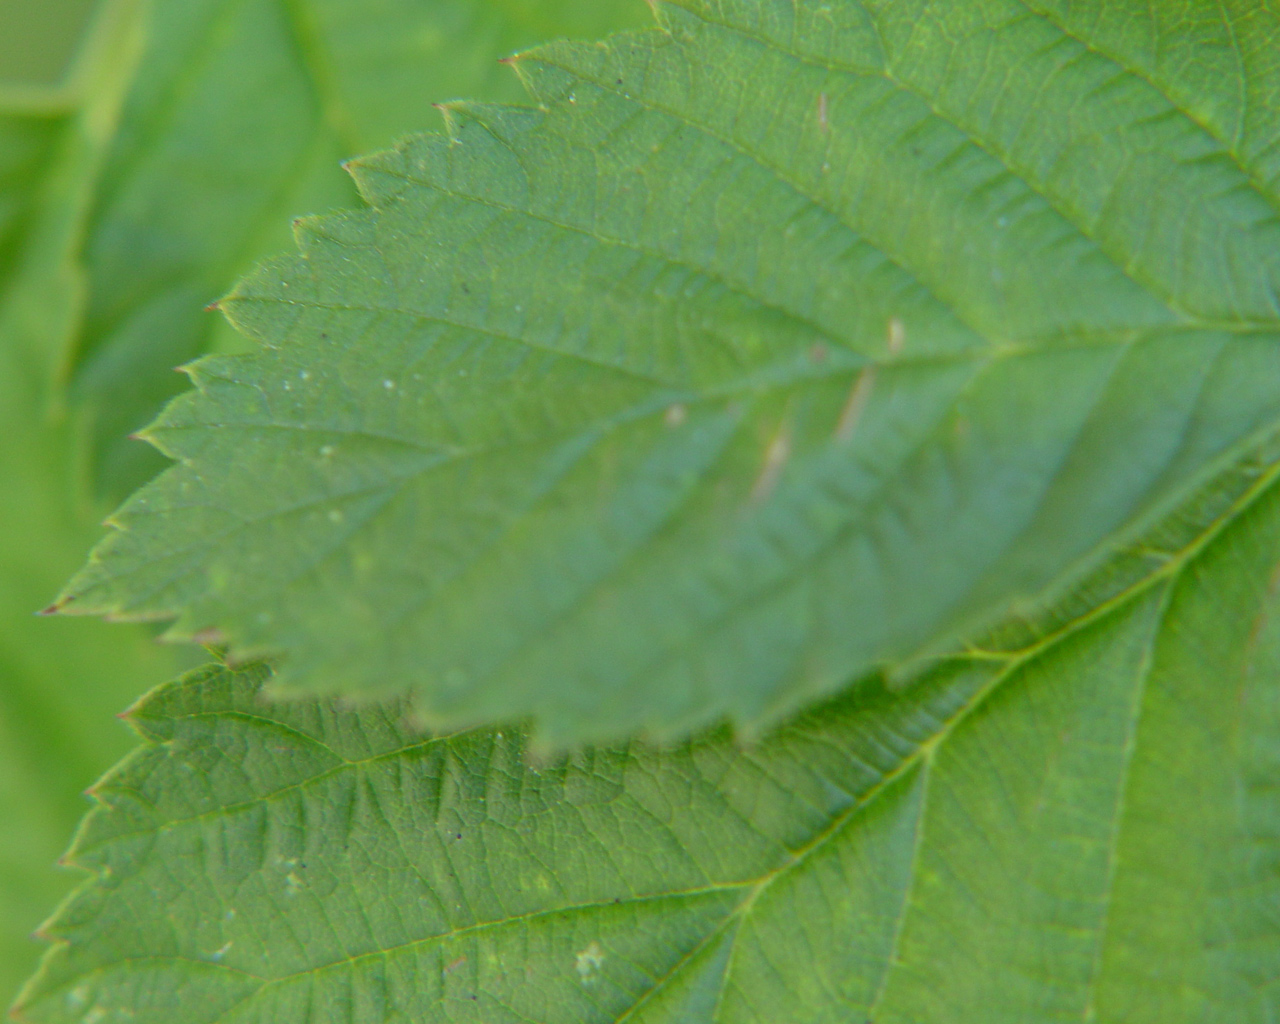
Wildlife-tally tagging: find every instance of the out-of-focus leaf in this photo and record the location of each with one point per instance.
(59, 686)
(239, 117)
(38, 39)
(760, 353)
(1084, 826)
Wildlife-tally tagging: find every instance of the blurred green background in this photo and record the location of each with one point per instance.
(39, 37)
(151, 151)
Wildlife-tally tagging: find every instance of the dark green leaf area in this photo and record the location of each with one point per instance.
(1081, 829)
(26, 142)
(756, 356)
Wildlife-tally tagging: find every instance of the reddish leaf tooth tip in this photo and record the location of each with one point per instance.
(214, 306)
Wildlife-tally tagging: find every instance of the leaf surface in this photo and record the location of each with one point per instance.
(776, 344)
(239, 115)
(1075, 821)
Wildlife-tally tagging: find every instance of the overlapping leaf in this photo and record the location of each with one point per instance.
(1077, 821)
(237, 121)
(772, 345)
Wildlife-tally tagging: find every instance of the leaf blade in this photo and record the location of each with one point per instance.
(739, 406)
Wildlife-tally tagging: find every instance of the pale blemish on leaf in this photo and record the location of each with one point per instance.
(859, 395)
(863, 384)
(775, 458)
(588, 963)
(897, 335)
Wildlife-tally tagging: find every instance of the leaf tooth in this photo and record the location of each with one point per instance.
(518, 63)
(661, 11)
(543, 78)
(61, 603)
(358, 171)
(447, 115)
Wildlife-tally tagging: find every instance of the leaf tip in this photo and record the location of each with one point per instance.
(209, 637)
(55, 608)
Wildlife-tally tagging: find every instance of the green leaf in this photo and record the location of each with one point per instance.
(1076, 821)
(786, 341)
(238, 118)
(59, 684)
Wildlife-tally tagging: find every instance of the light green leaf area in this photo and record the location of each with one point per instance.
(238, 118)
(59, 684)
(784, 341)
(1080, 828)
